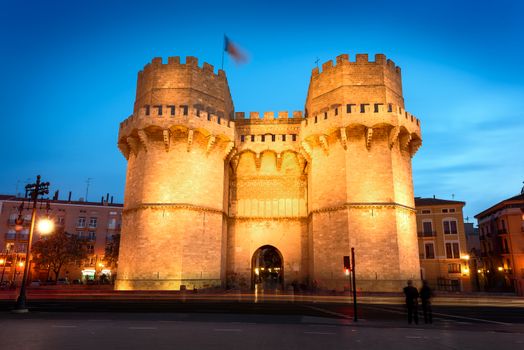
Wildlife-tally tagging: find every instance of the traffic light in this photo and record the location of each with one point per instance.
(347, 265)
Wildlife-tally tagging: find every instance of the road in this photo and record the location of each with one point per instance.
(197, 324)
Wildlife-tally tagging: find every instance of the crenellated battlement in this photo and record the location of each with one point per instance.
(153, 120)
(175, 63)
(160, 83)
(372, 111)
(358, 81)
(366, 115)
(360, 59)
(165, 115)
(268, 117)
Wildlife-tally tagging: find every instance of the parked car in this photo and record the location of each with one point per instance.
(77, 281)
(62, 281)
(35, 283)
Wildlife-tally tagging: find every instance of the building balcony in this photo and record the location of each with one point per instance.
(16, 236)
(427, 234)
(10, 236)
(502, 231)
(25, 222)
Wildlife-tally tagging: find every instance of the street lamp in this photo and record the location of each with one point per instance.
(34, 190)
(466, 265)
(45, 225)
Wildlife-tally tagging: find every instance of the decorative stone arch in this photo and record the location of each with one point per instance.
(267, 269)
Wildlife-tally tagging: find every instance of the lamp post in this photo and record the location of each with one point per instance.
(35, 190)
(3, 261)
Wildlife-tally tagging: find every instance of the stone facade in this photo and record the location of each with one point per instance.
(207, 188)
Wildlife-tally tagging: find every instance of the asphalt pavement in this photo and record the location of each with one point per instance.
(168, 330)
(256, 322)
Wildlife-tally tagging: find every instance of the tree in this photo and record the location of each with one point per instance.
(112, 250)
(57, 250)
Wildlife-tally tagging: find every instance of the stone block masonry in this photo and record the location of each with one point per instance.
(209, 190)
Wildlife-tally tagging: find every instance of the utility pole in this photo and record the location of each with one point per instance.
(34, 190)
(354, 285)
(16, 190)
(88, 182)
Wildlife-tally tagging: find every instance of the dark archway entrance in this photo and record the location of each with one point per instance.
(267, 269)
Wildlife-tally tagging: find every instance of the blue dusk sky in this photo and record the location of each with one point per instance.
(69, 77)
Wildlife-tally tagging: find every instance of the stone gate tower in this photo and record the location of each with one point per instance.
(218, 198)
(359, 136)
(175, 142)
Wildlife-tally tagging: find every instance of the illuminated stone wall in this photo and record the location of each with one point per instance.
(358, 135)
(204, 191)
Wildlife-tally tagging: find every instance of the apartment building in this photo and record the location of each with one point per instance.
(501, 233)
(444, 258)
(96, 224)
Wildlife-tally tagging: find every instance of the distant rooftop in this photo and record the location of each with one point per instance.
(7, 197)
(518, 197)
(420, 202)
(504, 204)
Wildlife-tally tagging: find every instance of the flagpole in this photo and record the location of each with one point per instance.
(223, 50)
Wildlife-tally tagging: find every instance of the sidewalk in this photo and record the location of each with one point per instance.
(74, 293)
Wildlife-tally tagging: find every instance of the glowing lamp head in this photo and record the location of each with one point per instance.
(21, 264)
(45, 226)
(465, 257)
(500, 268)
(2, 261)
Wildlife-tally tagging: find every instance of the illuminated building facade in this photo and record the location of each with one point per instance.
(218, 198)
(501, 233)
(96, 224)
(444, 256)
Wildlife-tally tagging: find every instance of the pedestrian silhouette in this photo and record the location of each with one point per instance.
(411, 302)
(425, 297)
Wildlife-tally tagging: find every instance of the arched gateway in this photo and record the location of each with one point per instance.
(267, 269)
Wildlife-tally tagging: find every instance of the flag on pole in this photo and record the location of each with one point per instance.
(234, 51)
